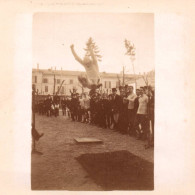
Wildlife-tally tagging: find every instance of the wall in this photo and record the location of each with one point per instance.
(71, 75)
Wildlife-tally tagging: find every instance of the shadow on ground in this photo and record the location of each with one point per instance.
(118, 170)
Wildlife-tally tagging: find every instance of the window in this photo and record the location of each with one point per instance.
(45, 80)
(58, 81)
(117, 84)
(62, 90)
(46, 88)
(71, 81)
(107, 84)
(35, 79)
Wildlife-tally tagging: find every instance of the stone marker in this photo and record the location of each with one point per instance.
(87, 140)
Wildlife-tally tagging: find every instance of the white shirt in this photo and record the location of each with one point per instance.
(87, 103)
(131, 99)
(82, 103)
(57, 105)
(143, 104)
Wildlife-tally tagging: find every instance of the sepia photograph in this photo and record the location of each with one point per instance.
(97, 97)
(93, 101)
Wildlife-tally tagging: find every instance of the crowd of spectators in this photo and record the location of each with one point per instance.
(123, 110)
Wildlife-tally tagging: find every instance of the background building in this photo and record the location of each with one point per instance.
(43, 80)
(146, 79)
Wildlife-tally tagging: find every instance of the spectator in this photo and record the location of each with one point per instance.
(150, 118)
(142, 114)
(56, 106)
(64, 105)
(127, 113)
(131, 112)
(86, 109)
(74, 107)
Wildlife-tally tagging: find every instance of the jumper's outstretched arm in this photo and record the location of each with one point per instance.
(75, 55)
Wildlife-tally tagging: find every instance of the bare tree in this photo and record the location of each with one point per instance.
(131, 52)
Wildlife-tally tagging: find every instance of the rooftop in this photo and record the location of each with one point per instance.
(76, 73)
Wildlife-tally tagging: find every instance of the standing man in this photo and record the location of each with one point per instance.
(151, 102)
(86, 109)
(74, 107)
(131, 112)
(56, 107)
(93, 101)
(48, 105)
(123, 113)
(142, 113)
(136, 105)
(63, 103)
(82, 105)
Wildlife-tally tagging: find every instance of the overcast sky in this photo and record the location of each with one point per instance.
(54, 33)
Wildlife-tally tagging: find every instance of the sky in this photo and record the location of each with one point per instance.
(53, 33)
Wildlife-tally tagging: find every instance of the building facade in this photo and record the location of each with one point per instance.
(146, 79)
(43, 80)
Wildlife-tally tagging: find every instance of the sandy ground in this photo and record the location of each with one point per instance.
(57, 168)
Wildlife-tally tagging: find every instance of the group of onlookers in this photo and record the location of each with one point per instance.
(49, 106)
(127, 112)
(123, 111)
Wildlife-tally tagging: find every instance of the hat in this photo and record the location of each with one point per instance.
(114, 89)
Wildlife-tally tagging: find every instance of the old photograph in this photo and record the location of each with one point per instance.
(93, 101)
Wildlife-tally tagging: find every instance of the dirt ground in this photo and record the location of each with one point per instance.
(57, 168)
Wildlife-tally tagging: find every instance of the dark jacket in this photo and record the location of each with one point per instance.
(64, 103)
(151, 107)
(116, 103)
(74, 103)
(136, 104)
